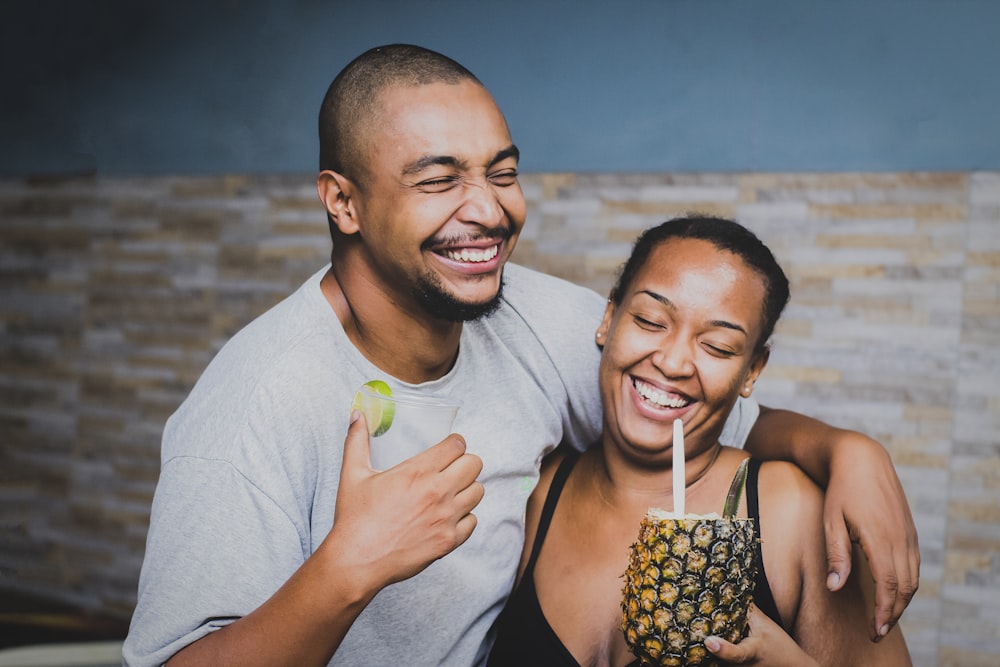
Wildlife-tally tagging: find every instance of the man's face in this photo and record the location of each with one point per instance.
(440, 207)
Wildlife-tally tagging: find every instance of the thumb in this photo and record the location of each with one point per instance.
(838, 553)
(357, 453)
(733, 654)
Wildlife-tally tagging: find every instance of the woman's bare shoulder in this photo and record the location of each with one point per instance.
(784, 489)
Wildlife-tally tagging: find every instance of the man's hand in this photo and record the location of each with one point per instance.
(392, 524)
(767, 644)
(865, 503)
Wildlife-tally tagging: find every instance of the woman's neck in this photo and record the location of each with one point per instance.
(625, 482)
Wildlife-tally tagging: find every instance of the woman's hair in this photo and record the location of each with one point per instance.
(724, 234)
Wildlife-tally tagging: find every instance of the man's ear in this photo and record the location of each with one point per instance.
(336, 192)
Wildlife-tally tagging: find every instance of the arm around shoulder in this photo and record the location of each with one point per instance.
(864, 504)
(831, 626)
(791, 436)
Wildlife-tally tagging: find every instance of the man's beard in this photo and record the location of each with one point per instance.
(444, 306)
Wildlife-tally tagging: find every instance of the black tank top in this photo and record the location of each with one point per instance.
(523, 636)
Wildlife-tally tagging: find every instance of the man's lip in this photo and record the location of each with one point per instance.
(470, 266)
(458, 238)
(477, 243)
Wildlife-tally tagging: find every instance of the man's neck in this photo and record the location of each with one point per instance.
(410, 346)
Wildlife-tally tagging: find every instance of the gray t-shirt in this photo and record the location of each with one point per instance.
(251, 462)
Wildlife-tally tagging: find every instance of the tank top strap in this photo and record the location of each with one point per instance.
(549, 508)
(762, 596)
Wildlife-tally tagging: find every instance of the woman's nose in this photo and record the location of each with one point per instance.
(674, 359)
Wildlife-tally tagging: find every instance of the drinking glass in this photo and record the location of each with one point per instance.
(404, 424)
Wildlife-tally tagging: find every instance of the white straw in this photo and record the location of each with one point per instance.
(678, 468)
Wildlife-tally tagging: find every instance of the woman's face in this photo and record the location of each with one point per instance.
(679, 346)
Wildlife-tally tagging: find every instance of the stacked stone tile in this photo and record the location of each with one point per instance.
(115, 293)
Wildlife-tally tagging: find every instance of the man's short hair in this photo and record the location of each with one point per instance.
(350, 101)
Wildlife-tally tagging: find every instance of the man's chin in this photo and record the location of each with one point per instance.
(445, 306)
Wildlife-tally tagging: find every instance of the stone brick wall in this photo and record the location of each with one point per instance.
(115, 293)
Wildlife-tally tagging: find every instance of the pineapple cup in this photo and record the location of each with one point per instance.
(687, 579)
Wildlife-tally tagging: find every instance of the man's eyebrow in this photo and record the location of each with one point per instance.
(510, 151)
(715, 323)
(425, 161)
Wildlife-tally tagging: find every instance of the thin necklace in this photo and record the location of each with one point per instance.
(704, 471)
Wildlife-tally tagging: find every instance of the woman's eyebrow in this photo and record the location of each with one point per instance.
(671, 306)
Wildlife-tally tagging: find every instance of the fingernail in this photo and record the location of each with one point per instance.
(355, 415)
(884, 630)
(833, 580)
(712, 643)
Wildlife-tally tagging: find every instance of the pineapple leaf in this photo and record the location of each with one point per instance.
(735, 491)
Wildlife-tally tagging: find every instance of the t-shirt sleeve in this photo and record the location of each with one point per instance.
(740, 422)
(562, 318)
(217, 548)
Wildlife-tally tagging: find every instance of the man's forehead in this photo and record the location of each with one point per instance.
(439, 124)
(442, 108)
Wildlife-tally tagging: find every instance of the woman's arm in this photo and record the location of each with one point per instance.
(865, 503)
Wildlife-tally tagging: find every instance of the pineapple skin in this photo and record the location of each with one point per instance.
(687, 579)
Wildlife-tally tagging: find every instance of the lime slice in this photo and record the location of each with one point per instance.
(378, 414)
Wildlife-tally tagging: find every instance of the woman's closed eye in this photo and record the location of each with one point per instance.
(648, 324)
(719, 349)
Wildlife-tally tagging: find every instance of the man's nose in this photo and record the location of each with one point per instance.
(480, 205)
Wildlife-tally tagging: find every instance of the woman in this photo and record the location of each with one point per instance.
(685, 332)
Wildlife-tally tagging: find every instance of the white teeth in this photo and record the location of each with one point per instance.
(472, 255)
(661, 398)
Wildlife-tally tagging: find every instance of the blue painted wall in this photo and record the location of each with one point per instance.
(130, 87)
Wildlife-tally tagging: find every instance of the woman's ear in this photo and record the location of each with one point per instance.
(756, 368)
(336, 192)
(602, 331)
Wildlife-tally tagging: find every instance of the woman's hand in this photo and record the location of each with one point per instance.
(767, 645)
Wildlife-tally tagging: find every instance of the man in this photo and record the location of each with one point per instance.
(269, 544)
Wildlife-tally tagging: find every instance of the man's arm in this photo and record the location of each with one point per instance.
(303, 623)
(389, 526)
(865, 503)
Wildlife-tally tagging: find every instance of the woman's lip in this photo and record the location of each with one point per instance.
(665, 397)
